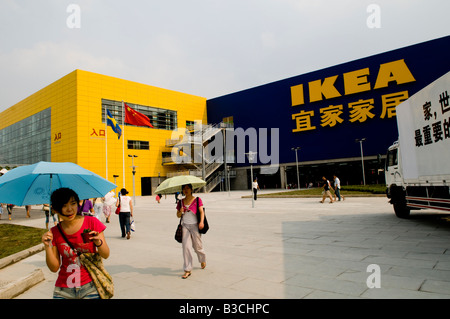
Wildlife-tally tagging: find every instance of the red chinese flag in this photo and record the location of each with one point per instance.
(135, 118)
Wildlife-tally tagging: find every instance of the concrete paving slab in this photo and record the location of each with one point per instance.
(283, 248)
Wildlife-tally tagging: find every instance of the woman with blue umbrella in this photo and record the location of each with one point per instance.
(74, 280)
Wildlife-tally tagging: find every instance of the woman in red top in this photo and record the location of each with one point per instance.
(73, 280)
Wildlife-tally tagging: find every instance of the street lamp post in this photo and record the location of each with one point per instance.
(134, 173)
(115, 190)
(228, 177)
(296, 161)
(251, 156)
(362, 157)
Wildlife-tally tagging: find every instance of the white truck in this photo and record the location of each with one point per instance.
(418, 165)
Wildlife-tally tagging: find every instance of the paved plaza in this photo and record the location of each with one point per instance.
(283, 248)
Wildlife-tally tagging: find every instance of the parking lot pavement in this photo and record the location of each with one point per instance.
(283, 248)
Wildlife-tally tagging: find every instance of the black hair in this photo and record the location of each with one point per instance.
(188, 185)
(123, 191)
(62, 196)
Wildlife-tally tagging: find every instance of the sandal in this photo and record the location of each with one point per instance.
(186, 274)
(203, 265)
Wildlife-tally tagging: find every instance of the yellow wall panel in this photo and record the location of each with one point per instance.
(78, 133)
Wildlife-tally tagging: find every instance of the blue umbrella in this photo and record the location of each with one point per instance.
(33, 184)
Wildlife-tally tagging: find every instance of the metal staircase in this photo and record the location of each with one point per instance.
(208, 168)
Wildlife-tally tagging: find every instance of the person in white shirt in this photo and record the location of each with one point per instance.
(337, 188)
(126, 212)
(108, 201)
(255, 188)
(98, 207)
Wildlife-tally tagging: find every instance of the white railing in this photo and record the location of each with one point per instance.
(213, 182)
(210, 165)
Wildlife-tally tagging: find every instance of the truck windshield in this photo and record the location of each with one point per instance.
(391, 158)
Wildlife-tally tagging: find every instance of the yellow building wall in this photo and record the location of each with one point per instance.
(91, 147)
(64, 114)
(77, 130)
(60, 96)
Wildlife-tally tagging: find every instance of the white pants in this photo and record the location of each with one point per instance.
(98, 208)
(191, 237)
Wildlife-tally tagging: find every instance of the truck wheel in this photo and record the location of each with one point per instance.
(401, 210)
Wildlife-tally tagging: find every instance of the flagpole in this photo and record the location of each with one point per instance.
(123, 145)
(106, 143)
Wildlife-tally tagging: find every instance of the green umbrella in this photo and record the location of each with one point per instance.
(173, 184)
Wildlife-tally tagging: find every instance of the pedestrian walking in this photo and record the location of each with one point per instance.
(98, 207)
(187, 209)
(337, 188)
(86, 207)
(74, 280)
(255, 188)
(126, 212)
(9, 207)
(158, 197)
(2, 209)
(326, 190)
(108, 202)
(47, 212)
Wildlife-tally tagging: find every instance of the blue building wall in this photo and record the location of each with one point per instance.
(342, 103)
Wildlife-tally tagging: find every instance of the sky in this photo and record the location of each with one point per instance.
(207, 48)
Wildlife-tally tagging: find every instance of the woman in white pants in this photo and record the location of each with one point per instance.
(187, 209)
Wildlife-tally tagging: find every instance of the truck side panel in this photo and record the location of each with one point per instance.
(424, 134)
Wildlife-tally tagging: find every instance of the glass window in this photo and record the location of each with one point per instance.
(160, 118)
(27, 141)
(138, 145)
(391, 158)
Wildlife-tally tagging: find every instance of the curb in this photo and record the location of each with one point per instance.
(312, 196)
(9, 260)
(19, 286)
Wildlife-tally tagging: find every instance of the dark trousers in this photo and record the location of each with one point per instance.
(124, 220)
(338, 193)
(255, 190)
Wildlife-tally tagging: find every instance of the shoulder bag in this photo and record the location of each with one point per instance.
(118, 208)
(179, 232)
(205, 221)
(94, 265)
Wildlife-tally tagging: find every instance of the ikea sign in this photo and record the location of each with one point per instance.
(354, 82)
(324, 111)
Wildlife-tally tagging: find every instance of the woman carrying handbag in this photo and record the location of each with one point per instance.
(187, 210)
(126, 212)
(74, 280)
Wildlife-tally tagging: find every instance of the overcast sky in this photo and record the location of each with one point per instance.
(202, 47)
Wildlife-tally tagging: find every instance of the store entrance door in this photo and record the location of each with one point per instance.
(146, 186)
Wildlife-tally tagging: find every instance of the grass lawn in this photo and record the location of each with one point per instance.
(349, 190)
(15, 238)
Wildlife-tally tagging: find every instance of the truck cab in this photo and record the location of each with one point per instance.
(392, 169)
(395, 189)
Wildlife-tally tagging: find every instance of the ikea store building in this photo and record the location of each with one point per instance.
(323, 123)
